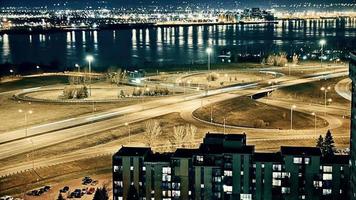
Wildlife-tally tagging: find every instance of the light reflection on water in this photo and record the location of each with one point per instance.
(174, 45)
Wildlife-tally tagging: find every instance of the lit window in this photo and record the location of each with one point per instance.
(263, 165)
(227, 188)
(131, 168)
(201, 185)
(276, 182)
(318, 184)
(327, 191)
(227, 173)
(297, 160)
(200, 158)
(166, 170)
(242, 173)
(327, 169)
(327, 177)
(116, 168)
(285, 190)
(175, 193)
(277, 167)
(246, 197)
(143, 168)
(307, 161)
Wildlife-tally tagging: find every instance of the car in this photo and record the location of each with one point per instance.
(91, 190)
(87, 182)
(94, 183)
(64, 189)
(46, 188)
(7, 198)
(85, 178)
(84, 191)
(77, 193)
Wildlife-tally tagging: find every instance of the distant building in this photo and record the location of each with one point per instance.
(352, 75)
(224, 167)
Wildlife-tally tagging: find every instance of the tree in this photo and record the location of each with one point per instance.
(153, 130)
(60, 197)
(179, 134)
(191, 131)
(132, 194)
(329, 144)
(101, 194)
(320, 142)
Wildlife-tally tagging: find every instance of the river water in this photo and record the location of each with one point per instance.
(165, 46)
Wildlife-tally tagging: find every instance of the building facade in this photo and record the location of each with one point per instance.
(224, 167)
(352, 74)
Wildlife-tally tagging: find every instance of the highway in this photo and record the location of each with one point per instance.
(15, 143)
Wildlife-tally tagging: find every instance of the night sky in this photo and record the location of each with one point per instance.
(135, 3)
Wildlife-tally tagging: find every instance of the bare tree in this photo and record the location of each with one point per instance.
(190, 131)
(178, 137)
(153, 130)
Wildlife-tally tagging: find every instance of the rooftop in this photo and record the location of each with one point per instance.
(267, 157)
(310, 151)
(134, 151)
(185, 153)
(336, 159)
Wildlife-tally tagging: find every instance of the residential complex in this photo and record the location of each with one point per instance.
(224, 167)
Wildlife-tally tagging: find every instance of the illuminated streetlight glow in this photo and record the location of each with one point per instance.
(90, 59)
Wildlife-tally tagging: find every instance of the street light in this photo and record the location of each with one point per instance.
(325, 90)
(29, 112)
(78, 66)
(291, 116)
(209, 50)
(128, 125)
(314, 114)
(322, 42)
(90, 59)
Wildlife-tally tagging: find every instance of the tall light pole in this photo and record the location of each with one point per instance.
(322, 43)
(90, 59)
(78, 66)
(325, 90)
(291, 116)
(128, 125)
(224, 125)
(314, 114)
(12, 72)
(29, 112)
(209, 50)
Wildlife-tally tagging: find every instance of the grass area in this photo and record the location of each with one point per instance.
(246, 112)
(310, 92)
(31, 82)
(46, 112)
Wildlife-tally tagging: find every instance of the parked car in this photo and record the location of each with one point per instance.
(6, 198)
(94, 183)
(46, 188)
(91, 190)
(84, 191)
(64, 189)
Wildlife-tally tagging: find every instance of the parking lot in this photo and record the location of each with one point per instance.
(75, 189)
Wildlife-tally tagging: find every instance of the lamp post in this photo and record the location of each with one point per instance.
(322, 43)
(209, 50)
(29, 112)
(314, 114)
(325, 90)
(291, 116)
(224, 125)
(128, 125)
(12, 72)
(78, 66)
(90, 59)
